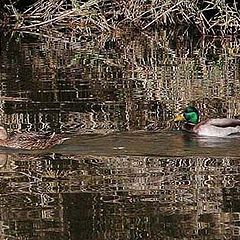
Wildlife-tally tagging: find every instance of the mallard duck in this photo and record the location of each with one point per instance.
(213, 127)
(29, 141)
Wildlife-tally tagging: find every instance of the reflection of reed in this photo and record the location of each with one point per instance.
(140, 174)
(133, 83)
(198, 191)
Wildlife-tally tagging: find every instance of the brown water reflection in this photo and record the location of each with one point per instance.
(126, 172)
(126, 197)
(121, 85)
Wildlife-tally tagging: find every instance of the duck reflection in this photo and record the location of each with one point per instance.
(191, 140)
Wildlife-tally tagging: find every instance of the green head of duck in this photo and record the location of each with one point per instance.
(191, 115)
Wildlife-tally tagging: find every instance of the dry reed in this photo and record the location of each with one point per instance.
(93, 16)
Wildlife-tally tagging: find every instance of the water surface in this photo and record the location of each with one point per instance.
(171, 143)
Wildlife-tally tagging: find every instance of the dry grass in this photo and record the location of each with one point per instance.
(93, 16)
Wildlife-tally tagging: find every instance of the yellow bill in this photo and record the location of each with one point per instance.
(179, 118)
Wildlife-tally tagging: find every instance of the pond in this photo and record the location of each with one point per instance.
(126, 171)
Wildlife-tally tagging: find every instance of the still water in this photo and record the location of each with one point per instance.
(126, 171)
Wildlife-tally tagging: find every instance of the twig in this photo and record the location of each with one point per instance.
(48, 21)
(162, 14)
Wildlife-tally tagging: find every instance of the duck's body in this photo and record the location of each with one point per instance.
(29, 141)
(214, 127)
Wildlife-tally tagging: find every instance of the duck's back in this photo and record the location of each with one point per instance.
(32, 141)
(224, 122)
(218, 127)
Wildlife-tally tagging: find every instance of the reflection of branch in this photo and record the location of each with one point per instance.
(16, 99)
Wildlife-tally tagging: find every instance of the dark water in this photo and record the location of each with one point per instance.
(126, 172)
